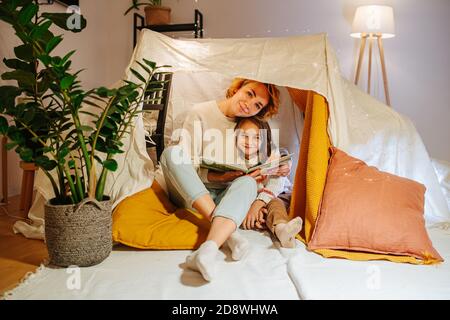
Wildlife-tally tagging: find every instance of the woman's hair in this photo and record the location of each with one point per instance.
(267, 133)
(274, 96)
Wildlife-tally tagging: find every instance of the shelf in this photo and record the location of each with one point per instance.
(150, 107)
(170, 27)
(197, 26)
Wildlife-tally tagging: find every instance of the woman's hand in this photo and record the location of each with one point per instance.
(257, 175)
(255, 216)
(224, 176)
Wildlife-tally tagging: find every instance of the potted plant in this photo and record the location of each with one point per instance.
(48, 129)
(155, 13)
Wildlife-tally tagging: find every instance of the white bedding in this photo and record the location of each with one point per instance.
(132, 274)
(268, 272)
(319, 278)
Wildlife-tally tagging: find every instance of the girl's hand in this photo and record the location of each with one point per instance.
(282, 171)
(255, 216)
(285, 169)
(224, 176)
(260, 223)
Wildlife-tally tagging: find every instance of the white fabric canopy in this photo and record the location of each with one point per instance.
(358, 124)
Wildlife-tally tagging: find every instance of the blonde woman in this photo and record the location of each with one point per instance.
(222, 198)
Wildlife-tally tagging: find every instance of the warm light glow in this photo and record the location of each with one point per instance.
(374, 20)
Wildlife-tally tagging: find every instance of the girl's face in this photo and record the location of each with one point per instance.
(249, 100)
(248, 139)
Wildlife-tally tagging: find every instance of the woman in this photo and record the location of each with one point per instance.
(208, 131)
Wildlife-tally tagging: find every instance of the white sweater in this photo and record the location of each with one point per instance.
(207, 132)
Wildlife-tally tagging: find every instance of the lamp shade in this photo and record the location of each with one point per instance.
(375, 20)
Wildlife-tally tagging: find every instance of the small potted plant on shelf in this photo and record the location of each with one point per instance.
(48, 129)
(155, 13)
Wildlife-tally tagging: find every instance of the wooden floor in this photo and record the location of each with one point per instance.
(18, 255)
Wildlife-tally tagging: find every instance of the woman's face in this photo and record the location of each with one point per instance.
(248, 139)
(249, 100)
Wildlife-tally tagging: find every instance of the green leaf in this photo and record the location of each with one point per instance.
(8, 96)
(18, 65)
(101, 145)
(47, 149)
(110, 164)
(3, 125)
(53, 43)
(151, 64)
(26, 154)
(27, 13)
(11, 145)
(109, 124)
(138, 75)
(144, 67)
(103, 92)
(66, 127)
(63, 152)
(6, 16)
(38, 32)
(67, 56)
(114, 151)
(71, 164)
(29, 115)
(56, 61)
(45, 163)
(24, 52)
(24, 77)
(67, 21)
(66, 82)
(46, 60)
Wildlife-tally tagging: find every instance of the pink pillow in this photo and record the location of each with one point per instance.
(364, 209)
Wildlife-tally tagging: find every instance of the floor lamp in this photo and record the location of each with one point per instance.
(373, 23)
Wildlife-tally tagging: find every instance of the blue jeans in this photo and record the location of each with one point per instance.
(185, 186)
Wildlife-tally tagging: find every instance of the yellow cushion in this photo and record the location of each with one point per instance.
(311, 171)
(148, 220)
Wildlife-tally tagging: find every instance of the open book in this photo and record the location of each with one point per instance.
(223, 167)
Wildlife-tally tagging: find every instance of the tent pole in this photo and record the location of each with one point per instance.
(383, 69)
(361, 56)
(369, 73)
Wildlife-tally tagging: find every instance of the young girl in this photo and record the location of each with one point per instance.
(254, 142)
(190, 186)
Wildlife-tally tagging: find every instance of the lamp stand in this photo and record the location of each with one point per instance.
(364, 38)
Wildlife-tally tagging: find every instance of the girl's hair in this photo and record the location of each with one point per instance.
(266, 136)
(274, 96)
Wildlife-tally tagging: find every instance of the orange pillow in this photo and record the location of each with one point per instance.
(364, 209)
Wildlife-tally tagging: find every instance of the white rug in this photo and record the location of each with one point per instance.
(138, 274)
(317, 277)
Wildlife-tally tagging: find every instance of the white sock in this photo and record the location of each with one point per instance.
(204, 260)
(239, 245)
(286, 232)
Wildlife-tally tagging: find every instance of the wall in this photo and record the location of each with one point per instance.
(417, 58)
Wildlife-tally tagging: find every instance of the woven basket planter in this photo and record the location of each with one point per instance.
(78, 234)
